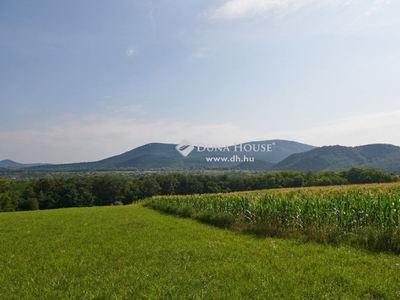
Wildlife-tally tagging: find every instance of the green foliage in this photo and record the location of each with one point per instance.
(29, 204)
(4, 185)
(149, 187)
(107, 190)
(338, 158)
(100, 190)
(6, 202)
(359, 175)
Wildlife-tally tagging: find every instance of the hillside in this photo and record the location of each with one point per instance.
(382, 157)
(281, 155)
(160, 156)
(7, 163)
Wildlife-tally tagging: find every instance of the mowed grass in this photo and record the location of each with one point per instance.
(132, 252)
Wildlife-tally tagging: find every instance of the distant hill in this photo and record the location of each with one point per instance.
(280, 149)
(281, 155)
(160, 156)
(382, 157)
(7, 163)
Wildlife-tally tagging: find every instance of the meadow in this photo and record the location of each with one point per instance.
(364, 216)
(132, 252)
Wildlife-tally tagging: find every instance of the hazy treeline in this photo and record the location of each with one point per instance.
(48, 193)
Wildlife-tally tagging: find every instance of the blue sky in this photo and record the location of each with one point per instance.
(85, 80)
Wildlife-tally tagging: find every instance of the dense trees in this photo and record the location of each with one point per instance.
(48, 193)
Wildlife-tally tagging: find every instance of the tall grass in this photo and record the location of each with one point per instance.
(366, 216)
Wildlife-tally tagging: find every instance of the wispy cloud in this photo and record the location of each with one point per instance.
(241, 9)
(378, 5)
(357, 130)
(201, 52)
(96, 136)
(131, 51)
(134, 108)
(137, 109)
(151, 17)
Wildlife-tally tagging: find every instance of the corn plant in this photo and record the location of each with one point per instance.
(362, 215)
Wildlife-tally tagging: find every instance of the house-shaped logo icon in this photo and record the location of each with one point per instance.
(184, 148)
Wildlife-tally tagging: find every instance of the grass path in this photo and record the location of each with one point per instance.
(133, 252)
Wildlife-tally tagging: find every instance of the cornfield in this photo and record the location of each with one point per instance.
(366, 216)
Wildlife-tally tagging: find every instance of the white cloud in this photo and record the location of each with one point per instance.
(201, 52)
(137, 109)
(94, 137)
(354, 131)
(134, 108)
(378, 5)
(240, 9)
(131, 51)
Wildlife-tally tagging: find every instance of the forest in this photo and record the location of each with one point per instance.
(102, 190)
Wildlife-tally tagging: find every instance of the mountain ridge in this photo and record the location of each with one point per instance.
(168, 157)
(383, 157)
(283, 155)
(8, 163)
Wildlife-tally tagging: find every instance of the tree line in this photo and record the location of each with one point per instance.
(100, 190)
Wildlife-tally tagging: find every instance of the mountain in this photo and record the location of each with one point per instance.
(269, 150)
(382, 157)
(279, 150)
(148, 155)
(7, 163)
(269, 155)
(158, 156)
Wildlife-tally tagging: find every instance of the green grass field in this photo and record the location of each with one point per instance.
(132, 252)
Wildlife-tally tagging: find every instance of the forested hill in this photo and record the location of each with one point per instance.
(381, 157)
(7, 163)
(281, 155)
(165, 156)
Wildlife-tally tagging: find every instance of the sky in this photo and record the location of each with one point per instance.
(85, 80)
